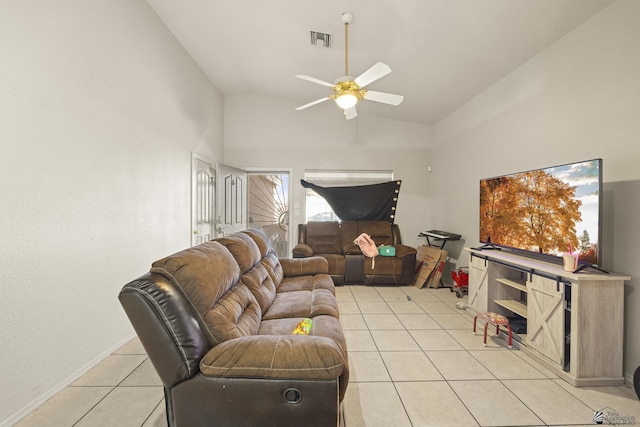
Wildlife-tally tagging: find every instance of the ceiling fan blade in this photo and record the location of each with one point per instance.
(350, 113)
(317, 101)
(379, 70)
(387, 98)
(314, 80)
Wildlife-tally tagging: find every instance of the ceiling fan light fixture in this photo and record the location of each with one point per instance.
(346, 100)
(347, 90)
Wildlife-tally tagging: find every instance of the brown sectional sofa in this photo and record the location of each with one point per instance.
(333, 241)
(216, 321)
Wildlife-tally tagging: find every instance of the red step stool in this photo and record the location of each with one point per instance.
(494, 319)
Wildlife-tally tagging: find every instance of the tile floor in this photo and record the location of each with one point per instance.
(413, 360)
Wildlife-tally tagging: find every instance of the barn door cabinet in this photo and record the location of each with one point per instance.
(573, 322)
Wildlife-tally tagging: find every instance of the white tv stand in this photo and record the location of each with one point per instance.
(574, 321)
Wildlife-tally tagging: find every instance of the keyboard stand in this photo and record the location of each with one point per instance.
(440, 237)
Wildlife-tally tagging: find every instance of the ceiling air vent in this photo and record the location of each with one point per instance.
(322, 40)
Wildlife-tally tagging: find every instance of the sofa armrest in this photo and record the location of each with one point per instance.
(275, 357)
(304, 266)
(302, 250)
(403, 250)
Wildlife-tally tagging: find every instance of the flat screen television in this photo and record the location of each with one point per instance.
(545, 211)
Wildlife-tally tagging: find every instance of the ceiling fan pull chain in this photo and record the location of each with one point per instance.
(346, 48)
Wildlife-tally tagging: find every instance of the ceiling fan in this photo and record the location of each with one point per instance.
(347, 91)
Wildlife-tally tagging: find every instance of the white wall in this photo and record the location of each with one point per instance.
(577, 100)
(267, 132)
(100, 108)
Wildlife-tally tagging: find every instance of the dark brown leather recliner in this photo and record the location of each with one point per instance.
(216, 321)
(333, 241)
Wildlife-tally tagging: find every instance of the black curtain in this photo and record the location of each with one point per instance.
(374, 202)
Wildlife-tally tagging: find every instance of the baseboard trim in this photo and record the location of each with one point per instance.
(62, 384)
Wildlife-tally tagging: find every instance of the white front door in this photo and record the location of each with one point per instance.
(202, 200)
(231, 206)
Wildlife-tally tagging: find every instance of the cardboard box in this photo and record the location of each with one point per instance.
(434, 281)
(429, 265)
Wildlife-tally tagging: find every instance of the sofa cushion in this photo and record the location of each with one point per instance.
(237, 314)
(302, 304)
(324, 237)
(276, 356)
(307, 283)
(260, 239)
(243, 248)
(380, 231)
(323, 326)
(268, 258)
(204, 273)
(261, 285)
(349, 230)
(274, 268)
(305, 266)
(260, 268)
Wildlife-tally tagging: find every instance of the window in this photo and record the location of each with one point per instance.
(317, 208)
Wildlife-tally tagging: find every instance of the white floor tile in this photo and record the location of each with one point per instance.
(435, 339)
(359, 341)
(410, 366)
(492, 404)
(348, 307)
(374, 405)
(550, 402)
(399, 307)
(505, 364)
(382, 321)
(436, 307)
(158, 417)
(611, 399)
(394, 341)
(133, 346)
(345, 297)
(369, 297)
(367, 366)
(453, 321)
(66, 407)
(111, 371)
(418, 321)
(369, 307)
(393, 294)
(352, 321)
(124, 406)
(144, 375)
(458, 365)
(469, 341)
(433, 403)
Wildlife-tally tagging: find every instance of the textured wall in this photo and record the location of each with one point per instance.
(100, 109)
(579, 99)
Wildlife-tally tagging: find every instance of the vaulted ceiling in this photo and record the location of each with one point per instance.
(441, 52)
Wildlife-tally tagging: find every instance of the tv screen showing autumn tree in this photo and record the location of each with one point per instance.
(547, 211)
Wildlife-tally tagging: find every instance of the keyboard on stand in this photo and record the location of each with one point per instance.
(439, 235)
